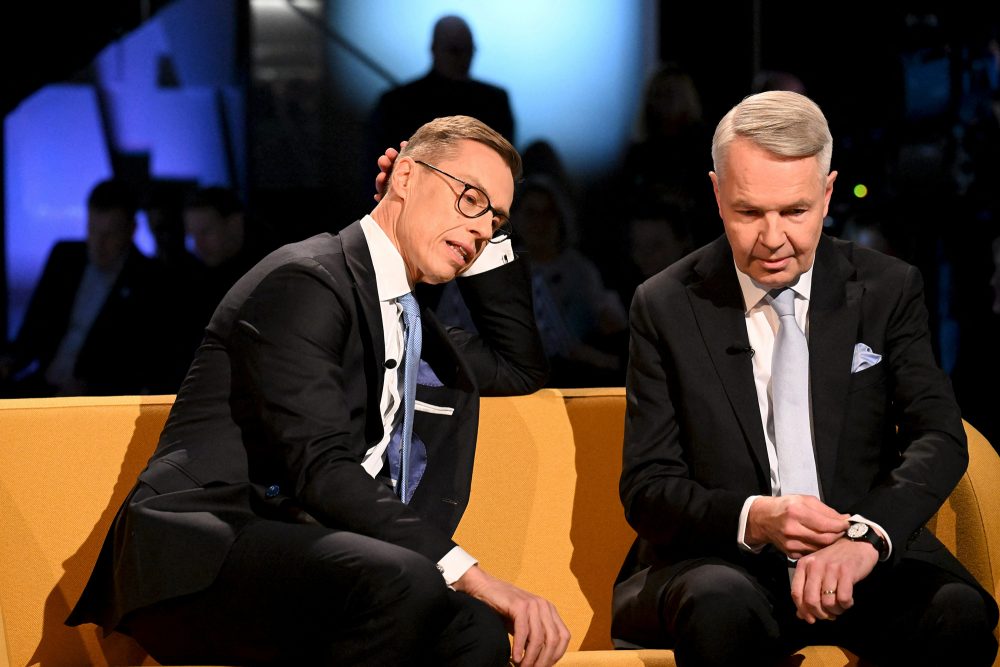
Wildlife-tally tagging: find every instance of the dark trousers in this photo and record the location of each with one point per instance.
(293, 593)
(716, 613)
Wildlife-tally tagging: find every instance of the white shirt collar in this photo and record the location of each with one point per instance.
(390, 270)
(753, 292)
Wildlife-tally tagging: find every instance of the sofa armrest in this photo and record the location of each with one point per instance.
(969, 521)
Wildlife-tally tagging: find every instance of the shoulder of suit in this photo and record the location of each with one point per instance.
(675, 277)
(866, 261)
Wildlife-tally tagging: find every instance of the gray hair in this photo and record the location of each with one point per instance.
(781, 122)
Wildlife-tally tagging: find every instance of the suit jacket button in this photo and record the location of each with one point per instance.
(390, 363)
(272, 491)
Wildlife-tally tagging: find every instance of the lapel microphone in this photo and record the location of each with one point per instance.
(740, 348)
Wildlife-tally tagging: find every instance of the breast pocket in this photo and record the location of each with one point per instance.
(422, 406)
(870, 377)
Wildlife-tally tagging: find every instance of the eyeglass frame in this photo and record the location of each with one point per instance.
(501, 232)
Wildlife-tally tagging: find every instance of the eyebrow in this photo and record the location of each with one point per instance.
(466, 179)
(801, 203)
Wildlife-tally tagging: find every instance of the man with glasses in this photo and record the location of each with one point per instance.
(300, 505)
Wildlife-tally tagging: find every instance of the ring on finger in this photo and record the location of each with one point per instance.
(830, 591)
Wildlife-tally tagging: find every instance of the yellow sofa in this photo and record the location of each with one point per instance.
(544, 514)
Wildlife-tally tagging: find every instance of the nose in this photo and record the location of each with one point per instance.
(481, 227)
(772, 234)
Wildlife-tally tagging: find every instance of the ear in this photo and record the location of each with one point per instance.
(831, 177)
(401, 177)
(715, 188)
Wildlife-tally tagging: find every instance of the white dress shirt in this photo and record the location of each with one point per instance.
(391, 282)
(762, 326)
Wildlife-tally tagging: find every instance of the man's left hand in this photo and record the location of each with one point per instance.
(540, 636)
(823, 585)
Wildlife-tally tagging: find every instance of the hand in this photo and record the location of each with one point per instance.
(540, 636)
(385, 162)
(834, 568)
(798, 525)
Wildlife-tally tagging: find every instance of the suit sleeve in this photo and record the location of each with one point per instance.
(287, 350)
(930, 442)
(662, 502)
(506, 355)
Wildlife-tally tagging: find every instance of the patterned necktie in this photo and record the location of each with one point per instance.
(411, 361)
(790, 401)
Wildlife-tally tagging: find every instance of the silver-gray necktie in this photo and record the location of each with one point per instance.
(790, 401)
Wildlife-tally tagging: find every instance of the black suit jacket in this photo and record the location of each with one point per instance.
(694, 444)
(284, 395)
(120, 353)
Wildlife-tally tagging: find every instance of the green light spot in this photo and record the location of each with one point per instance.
(860, 190)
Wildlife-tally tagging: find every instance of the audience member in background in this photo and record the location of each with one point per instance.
(444, 91)
(669, 163)
(164, 206)
(867, 233)
(658, 236)
(94, 316)
(542, 159)
(583, 324)
(216, 236)
(215, 225)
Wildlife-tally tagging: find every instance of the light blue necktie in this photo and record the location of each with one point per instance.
(411, 362)
(790, 401)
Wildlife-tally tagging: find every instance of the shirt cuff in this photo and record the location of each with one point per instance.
(454, 564)
(881, 531)
(493, 256)
(742, 530)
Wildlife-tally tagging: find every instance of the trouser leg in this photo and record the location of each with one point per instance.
(289, 592)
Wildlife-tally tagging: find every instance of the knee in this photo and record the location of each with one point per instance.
(488, 641)
(408, 583)
(719, 617)
(958, 619)
(717, 592)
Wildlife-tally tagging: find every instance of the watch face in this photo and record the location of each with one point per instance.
(857, 530)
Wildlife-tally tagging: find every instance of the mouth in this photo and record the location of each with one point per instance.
(462, 253)
(774, 264)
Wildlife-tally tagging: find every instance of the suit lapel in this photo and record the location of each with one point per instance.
(359, 264)
(718, 307)
(834, 314)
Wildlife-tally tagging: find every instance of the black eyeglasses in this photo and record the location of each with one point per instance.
(473, 203)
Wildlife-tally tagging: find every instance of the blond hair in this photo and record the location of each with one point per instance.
(781, 122)
(440, 137)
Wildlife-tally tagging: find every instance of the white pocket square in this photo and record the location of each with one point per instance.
(864, 358)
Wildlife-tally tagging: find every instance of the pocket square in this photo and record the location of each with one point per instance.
(864, 358)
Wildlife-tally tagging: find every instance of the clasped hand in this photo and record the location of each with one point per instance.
(811, 532)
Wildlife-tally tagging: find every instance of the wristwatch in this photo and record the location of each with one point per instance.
(862, 532)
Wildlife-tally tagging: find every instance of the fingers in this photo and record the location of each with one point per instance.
(517, 648)
(385, 162)
(796, 524)
(821, 518)
(548, 636)
(823, 585)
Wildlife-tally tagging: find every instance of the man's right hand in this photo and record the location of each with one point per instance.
(798, 525)
(540, 636)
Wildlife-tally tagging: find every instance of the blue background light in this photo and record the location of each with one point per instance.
(574, 70)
